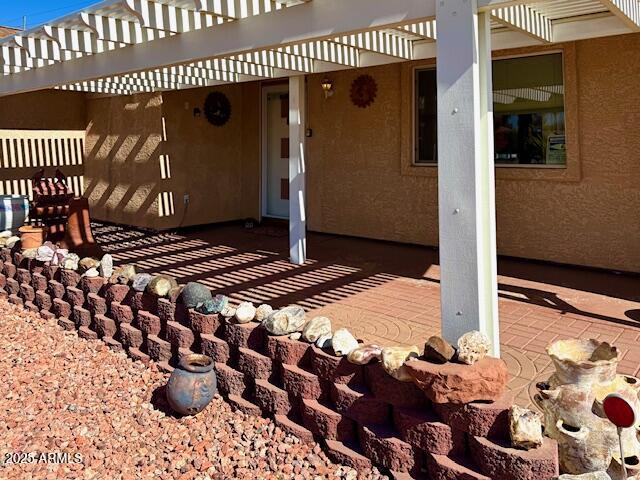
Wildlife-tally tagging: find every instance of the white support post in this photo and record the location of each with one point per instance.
(466, 183)
(297, 170)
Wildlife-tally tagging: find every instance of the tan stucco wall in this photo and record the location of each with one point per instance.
(361, 182)
(43, 110)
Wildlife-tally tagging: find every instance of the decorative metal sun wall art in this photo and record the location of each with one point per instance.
(363, 91)
(217, 108)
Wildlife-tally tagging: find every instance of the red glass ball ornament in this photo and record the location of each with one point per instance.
(619, 412)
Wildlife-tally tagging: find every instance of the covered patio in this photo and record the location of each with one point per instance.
(389, 293)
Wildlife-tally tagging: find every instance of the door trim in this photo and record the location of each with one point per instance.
(282, 88)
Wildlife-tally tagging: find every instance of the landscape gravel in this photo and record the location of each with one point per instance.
(67, 396)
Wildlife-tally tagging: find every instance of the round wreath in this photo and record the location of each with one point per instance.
(217, 108)
(363, 91)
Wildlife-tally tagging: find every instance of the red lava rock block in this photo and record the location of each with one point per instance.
(166, 310)
(9, 269)
(392, 391)
(285, 350)
(27, 292)
(245, 335)
(358, 404)
(290, 426)
(136, 354)
(179, 335)
(130, 336)
(441, 467)
(114, 345)
(479, 419)
(86, 333)
(69, 278)
(201, 323)
(15, 300)
(66, 324)
(244, 405)
(4, 295)
(271, 399)
(121, 313)
(61, 308)
(300, 383)
(97, 304)
(75, 297)
(5, 254)
(383, 447)
(335, 369)
(424, 430)
(148, 323)
(215, 348)
(32, 307)
(344, 455)
(81, 317)
(116, 293)
(164, 367)
(43, 300)
(3, 280)
(104, 326)
(55, 289)
(13, 287)
(254, 364)
(158, 349)
(46, 314)
(142, 301)
(496, 460)
(17, 257)
(327, 423)
(51, 271)
(230, 380)
(458, 383)
(23, 276)
(91, 284)
(39, 282)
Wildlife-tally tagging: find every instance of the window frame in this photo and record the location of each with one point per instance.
(414, 112)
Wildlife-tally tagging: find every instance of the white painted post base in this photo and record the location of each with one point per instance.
(297, 213)
(466, 184)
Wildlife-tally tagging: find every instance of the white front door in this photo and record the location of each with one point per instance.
(276, 158)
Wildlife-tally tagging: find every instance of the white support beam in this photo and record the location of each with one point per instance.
(468, 278)
(170, 18)
(323, 51)
(527, 20)
(276, 59)
(426, 30)
(76, 40)
(379, 42)
(297, 171)
(626, 10)
(315, 20)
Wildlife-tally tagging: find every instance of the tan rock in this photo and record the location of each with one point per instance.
(365, 354)
(245, 312)
(472, 347)
(122, 275)
(263, 311)
(285, 321)
(315, 328)
(161, 285)
(343, 342)
(456, 383)
(586, 476)
(525, 428)
(88, 262)
(395, 358)
(438, 350)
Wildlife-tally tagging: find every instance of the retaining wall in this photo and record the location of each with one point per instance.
(360, 414)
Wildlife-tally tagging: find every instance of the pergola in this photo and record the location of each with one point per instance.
(123, 47)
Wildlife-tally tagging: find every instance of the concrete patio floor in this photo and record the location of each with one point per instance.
(388, 293)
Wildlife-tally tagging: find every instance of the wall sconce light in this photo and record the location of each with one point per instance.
(327, 87)
(196, 112)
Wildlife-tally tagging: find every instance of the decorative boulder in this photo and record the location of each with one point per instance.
(438, 350)
(324, 341)
(365, 354)
(106, 266)
(343, 342)
(394, 359)
(194, 293)
(123, 275)
(525, 428)
(11, 242)
(315, 328)
(46, 252)
(140, 281)
(6, 234)
(88, 262)
(245, 312)
(473, 347)
(285, 321)
(228, 312)
(71, 262)
(455, 383)
(161, 285)
(263, 311)
(216, 305)
(295, 336)
(91, 273)
(586, 476)
(30, 253)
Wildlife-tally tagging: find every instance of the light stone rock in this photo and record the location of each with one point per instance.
(45, 252)
(295, 336)
(194, 293)
(106, 266)
(89, 262)
(59, 256)
(438, 350)
(343, 342)
(525, 428)
(394, 358)
(91, 273)
(161, 285)
(3, 241)
(228, 312)
(30, 253)
(586, 476)
(315, 328)
(140, 281)
(263, 311)
(473, 347)
(245, 312)
(71, 262)
(11, 241)
(6, 234)
(324, 341)
(365, 354)
(123, 275)
(285, 321)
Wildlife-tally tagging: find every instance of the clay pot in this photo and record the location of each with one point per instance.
(31, 237)
(575, 363)
(192, 384)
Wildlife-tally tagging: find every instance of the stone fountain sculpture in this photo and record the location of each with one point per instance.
(585, 373)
